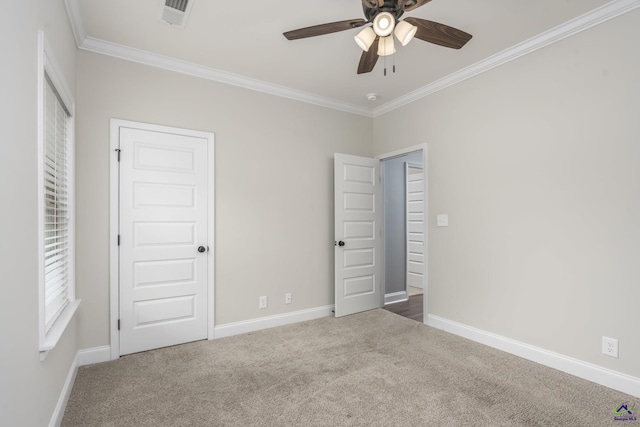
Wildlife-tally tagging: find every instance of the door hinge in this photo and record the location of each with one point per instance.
(118, 324)
(118, 151)
(118, 240)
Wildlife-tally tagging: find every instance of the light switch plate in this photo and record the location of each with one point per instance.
(442, 220)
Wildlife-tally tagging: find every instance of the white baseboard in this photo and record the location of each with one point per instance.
(94, 355)
(61, 405)
(103, 354)
(395, 297)
(588, 371)
(253, 325)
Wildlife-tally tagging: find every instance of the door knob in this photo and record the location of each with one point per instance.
(202, 249)
(340, 243)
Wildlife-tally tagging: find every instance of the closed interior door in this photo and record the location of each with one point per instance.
(415, 226)
(163, 248)
(358, 245)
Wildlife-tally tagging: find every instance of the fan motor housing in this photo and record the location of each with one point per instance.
(389, 6)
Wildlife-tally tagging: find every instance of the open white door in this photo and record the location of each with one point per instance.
(358, 225)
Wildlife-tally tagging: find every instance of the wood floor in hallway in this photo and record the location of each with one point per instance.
(411, 309)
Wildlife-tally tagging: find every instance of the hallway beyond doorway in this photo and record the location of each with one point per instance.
(411, 309)
(414, 290)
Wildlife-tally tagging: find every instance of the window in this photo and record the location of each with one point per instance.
(56, 191)
(56, 206)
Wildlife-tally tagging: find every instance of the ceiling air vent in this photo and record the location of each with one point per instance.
(176, 12)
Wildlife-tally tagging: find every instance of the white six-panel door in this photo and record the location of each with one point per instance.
(415, 225)
(358, 222)
(163, 246)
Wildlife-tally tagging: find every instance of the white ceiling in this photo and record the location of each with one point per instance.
(246, 39)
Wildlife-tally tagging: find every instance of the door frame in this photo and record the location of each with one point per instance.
(114, 223)
(425, 277)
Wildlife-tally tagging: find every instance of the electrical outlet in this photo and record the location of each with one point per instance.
(287, 298)
(610, 346)
(263, 302)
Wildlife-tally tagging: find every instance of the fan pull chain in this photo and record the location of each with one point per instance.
(385, 65)
(393, 66)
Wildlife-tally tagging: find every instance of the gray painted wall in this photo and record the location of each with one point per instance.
(29, 388)
(395, 230)
(274, 224)
(536, 164)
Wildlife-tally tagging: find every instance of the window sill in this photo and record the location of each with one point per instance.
(55, 333)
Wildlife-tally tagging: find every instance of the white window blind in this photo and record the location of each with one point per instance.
(56, 206)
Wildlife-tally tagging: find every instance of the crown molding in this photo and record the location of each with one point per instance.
(167, 63)
(75, 18)
(590, 19)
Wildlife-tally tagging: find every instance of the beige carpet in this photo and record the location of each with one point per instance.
(370, 369)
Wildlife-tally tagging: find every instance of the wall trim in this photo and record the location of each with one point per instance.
(90, 356)
(65, 393)
(114, 224)
(95, 45)
(75, 19)
(574, 26)
(252, 325)
(588, 371)
(101, 354)
(83, 357)
(394, 297)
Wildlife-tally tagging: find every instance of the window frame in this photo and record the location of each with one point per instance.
(49, 66)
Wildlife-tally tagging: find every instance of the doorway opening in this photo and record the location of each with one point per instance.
(365, 244)
(404, 259)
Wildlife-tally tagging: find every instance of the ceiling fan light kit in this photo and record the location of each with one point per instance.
(383, 24)
(377, 40)
(386, 46)
(365, 38)
(404, 32)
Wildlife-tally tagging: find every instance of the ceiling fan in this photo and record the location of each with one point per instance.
(377, 40)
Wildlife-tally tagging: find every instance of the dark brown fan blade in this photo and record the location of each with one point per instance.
(408, 5)
(369, 58)
(370, 4)
(318, 30)
(441, 34)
